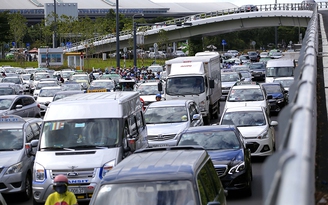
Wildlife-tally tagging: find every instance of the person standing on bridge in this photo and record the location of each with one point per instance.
(61, 196)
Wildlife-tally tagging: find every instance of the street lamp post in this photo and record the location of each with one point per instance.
(135, 56)
(117, 36)
(55, 25)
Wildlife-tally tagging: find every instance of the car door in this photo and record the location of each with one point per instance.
(17, 111)
(271, 131)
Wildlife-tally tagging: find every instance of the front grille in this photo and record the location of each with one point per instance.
(221, 170)
(74, 173)
(2, 186)
(252, 146)
(160, 137)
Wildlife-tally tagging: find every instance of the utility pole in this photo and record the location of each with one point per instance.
(117, 36)
(55, 25)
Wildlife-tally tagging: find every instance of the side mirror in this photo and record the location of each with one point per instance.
(126, 148)
(196, 117)
(273, 123)
(160, 87)
(18, 106)
(211, 83)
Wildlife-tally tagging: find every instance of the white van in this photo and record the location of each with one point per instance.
(277, 68)
(83, 137)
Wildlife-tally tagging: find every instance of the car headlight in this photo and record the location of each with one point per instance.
(280, 100)
(16, 168)
(39, 173)
(237, 168)
(107, 167)
(263, 135)
(201, 105)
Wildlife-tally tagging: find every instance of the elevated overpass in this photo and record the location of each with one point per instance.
(211, 23)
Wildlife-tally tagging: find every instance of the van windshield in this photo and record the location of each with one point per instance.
(279, 72)
(150, 193)
(81, 133)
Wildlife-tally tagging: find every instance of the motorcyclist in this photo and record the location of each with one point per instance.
(61, 194)
(158, 97)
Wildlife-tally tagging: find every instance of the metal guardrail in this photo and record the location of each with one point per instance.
(267, 7)
(289, 174)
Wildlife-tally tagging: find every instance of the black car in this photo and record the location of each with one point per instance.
(226, 147)
(248, 8)
(253, 56)
(279, 96)
(258, 71)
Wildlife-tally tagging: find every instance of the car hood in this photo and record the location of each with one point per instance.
(44, 99)
(225, 156)
(167, 128)
(276, 95)
(252, 131)
(227, 84)
(9, 158)
(81, 158)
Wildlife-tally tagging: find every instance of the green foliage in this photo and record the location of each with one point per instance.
(18, 27)
(5, 27)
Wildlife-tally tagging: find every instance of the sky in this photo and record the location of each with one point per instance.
(236, 2)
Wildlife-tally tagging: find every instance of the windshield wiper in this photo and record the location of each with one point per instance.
(90, 146)
(57, 148)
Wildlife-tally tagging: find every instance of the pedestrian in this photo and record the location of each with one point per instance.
(61, 195)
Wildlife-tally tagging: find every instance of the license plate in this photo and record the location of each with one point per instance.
(77, 190)
(160, 145)
(97, 91)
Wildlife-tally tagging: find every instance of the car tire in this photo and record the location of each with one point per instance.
(36, 203)
(27, 193)
(207, 120)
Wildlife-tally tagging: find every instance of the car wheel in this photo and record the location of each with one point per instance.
(27, 193)
(36, 203)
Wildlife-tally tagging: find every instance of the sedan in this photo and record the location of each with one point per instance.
(226, 147)
(286, 82)
(258, 71)
(279, 96)
(21, 105)
(165, 119)
(255, 126)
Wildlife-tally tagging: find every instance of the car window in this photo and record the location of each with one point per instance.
(18, 101)
(240, 95)
(36, 130)
(206, 187)
(166, 114)
(244, 118)
(28, 101)
(29, 133)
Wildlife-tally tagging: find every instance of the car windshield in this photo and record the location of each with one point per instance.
(147, 89)
(79, 77)
(149, 192)
(229, 77)
(244, 118)
(11, 139)
(39, 76)
(256, 66)
(7, 91)
(211, 140)
(48, 92)
(110, 76)
(26, 77)
(108, 85)
(11, 80)
(5, 104)
(66, 74)
(71, 86)
(285, 83)
(272, 89)
(246, 74)
(240, 95)
(185, 85)
(279, 71)
(91, 133)
(173, 114)
(155, 69)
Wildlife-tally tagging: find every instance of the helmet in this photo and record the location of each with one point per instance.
(60, 179)
(158, 95)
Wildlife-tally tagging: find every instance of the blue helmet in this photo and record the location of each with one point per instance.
(158, 95)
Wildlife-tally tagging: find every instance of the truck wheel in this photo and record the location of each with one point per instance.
(207, 120)
(216, 115)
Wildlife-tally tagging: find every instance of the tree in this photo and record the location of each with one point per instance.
(18, 27)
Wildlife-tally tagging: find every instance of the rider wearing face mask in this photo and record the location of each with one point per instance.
(61, 195)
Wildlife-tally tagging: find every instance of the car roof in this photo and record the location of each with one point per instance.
(11, 96)
(14, 121)
(175, 163)
(169, 103)
(245, 86)
(51, 88)
(284, 78)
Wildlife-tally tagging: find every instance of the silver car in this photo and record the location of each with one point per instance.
(17, 154)
(166, 119)
(21, 105)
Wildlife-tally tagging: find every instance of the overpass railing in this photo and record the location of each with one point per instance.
(289, 174)
(267, 7)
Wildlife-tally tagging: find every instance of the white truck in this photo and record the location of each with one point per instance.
(197, 78)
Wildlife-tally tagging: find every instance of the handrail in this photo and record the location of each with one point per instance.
(288, 175)
(266, 7)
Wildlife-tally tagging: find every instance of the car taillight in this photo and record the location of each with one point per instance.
(39, 106)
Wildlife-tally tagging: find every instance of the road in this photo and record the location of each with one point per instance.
(232, 199)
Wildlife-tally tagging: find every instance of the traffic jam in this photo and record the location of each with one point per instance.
(181, 133)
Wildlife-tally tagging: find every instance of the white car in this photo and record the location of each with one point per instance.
(255, 126)
(42, 84)
(247, 94)
(286, 82)
(166, 119)
(148, 91)
(46, 96)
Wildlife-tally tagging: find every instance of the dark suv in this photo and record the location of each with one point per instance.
(253, 56)
(258, 71)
